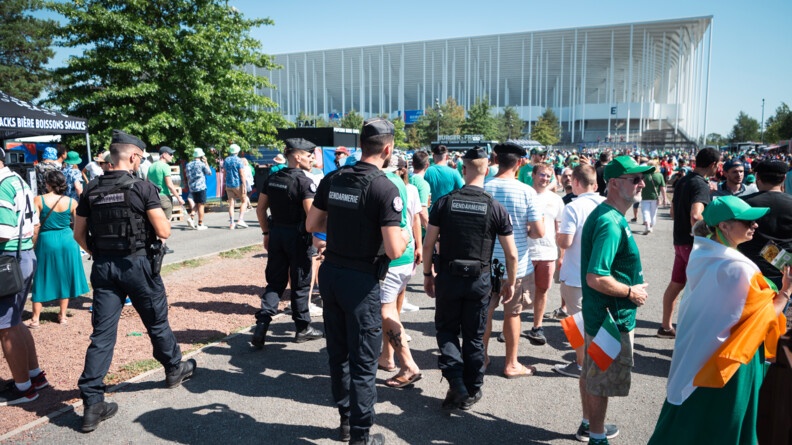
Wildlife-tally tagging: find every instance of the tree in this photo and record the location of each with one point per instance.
(745, 129)
(779, 126)
(480, 120)
(24, 49)
(547, 131)
(167, 71)
(352, 120)
(510, 125)
(715, 139)
(399, 135)
(450, 116)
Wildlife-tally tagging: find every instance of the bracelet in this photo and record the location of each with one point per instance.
(428, 274)
(265, 233)
(629, 292)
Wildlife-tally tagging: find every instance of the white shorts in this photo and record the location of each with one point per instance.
(395, 282)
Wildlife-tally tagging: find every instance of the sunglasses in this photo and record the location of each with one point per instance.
(746, 223)
(635, 179)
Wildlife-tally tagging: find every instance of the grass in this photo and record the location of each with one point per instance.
(130, 370)
(236, 254)
(187, 264)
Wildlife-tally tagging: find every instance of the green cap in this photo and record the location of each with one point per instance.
(73, 158)
(750, 179)
(725, 208)
(625, 165)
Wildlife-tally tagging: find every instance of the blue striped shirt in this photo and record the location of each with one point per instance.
(520, 202)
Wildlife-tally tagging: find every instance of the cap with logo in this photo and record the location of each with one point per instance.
(624, 165)
(119, 137)
(376, 126)
(725, 208)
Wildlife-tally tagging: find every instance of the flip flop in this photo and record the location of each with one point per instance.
(527, 371)
(33, 325)
(399, 381)
(382, 368)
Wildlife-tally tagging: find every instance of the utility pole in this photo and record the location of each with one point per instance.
(439, 116)
(763, 123)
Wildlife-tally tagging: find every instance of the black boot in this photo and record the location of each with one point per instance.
(344, 431)
(259, 334)
(96, 413)
(374, 439)
(456, 395)
(308, 334)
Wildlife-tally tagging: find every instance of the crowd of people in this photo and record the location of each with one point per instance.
(488, 230)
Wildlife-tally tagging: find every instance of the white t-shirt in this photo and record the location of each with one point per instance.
(520, 202)
(414, 206)
(93, 170)
(550, 206)
(572, 219)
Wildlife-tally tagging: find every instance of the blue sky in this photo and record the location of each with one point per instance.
(750, 52)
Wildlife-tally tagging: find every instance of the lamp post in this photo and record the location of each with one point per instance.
(763, 123)
(439, 116)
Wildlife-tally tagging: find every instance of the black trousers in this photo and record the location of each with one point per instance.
(288, 257)
(113, 279)
(353, 330)
(461, 305)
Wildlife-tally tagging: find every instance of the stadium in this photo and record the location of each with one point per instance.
(644, 83)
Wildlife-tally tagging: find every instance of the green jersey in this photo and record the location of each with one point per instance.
(157, 174)
(16, 206)
(409, 254)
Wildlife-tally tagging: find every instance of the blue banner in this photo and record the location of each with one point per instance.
(411, 116)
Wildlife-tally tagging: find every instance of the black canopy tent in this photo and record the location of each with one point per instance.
(20, 119)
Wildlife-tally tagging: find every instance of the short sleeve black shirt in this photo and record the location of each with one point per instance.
(143, 196)
(776, 226)
(691, 189)
(501, 226)
(282, 208)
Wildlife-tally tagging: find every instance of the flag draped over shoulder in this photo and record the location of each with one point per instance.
(573, 328)
(725, 315)
(606, 345)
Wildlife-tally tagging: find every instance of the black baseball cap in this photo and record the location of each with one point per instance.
(299, 144)
(119, 137)
(475, 153)
(165, 149)
(376, 126)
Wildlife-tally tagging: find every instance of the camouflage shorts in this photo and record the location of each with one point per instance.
(614, 381)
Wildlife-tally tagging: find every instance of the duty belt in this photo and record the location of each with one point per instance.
(360, 265)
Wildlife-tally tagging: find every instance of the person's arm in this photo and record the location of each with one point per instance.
(564, 240)
(37, 227)
(696, 211)
(394, 240)
(536, 229)
(78, 187)
(416, 229)
(316, 220)
(81, 232)
(206, 170)
(432, 233)
(782, 297)
(172, 188)
(160, 222)
(608, 285)
(261, 214)
(510, 255)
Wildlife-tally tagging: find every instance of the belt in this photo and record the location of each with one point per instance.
(352, 263)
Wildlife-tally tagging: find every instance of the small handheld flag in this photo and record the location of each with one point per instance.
(606, 345)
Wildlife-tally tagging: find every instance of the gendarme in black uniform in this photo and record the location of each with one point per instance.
(359, 201)
(120, 237)
(468, 219)
(289, 247)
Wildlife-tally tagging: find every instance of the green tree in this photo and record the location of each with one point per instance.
(399, 136)
(715, 139)
(450, 116)
(24, 49)
(547, 130)
(779, 126)
(510, 125)
(167, 71)
(480, 120)
(352, 120)
(745, 129)
(413, 138)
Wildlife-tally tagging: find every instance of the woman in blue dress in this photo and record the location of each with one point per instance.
(59, 274)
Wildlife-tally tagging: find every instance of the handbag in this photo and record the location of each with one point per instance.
(11, 279)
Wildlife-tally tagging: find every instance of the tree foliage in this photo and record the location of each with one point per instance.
(399, 135)
(352, 120)
(779, 126)
(547, 130)
(510, 125)
(167, 71)
(480, 120)
(450, 116)
(715, 139)
(24, 49)
(745, 129)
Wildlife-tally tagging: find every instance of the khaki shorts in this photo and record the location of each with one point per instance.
(235, 193)
(521, 298)
(614, 381)
(167, 205)
(543, 273)
(573, 297)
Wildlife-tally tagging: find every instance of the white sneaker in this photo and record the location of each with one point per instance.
(231, 224)
(191, 223)
(242, 223)
(314, 310)
(201, 227)
(407, 307)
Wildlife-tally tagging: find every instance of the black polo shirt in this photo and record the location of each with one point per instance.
(284, 210)
(689, 190)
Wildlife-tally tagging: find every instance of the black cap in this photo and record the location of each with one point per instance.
(166, 149)
(509, 147)
(376, 126)
(772, 167)
(299, 144)
(119, 137)
(475, 153)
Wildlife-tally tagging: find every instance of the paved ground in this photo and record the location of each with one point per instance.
(281, 394)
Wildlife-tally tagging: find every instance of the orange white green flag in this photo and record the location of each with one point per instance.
(573, 328)
(606, 345)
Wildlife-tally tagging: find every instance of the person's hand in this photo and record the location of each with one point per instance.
(418, 258)
(638, 294)
(584, 160)
(180, 199)
(786, 281)
(266, 242)
(713, 186)
(429, 286)
(506, 293)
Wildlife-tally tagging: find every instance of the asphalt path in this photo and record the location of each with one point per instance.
(281, 395)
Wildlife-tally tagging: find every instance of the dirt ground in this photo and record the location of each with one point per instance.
(208, 300)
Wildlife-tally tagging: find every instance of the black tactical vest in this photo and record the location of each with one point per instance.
(353, 240)
(283, 193)
(113, 228)
(466, 230)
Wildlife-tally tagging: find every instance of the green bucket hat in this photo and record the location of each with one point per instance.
(625, 165)
(725, 208)
(73, 158)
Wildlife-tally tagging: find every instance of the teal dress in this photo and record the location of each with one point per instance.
(59, 273)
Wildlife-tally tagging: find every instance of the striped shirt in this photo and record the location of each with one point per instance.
(16, 207)
(520, 202)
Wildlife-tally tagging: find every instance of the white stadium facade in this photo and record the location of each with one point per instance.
(644, 83)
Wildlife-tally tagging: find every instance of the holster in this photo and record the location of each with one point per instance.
(465, 268)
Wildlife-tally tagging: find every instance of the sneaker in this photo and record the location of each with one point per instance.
(13, 396)
(634, 220)
(408, 307)
(231, 226)
(314, 310)
(583, 434)
(470, 401)
(666, 333)
(571, 369)
(536, 336)
(242, 223)
(127, 302)
(201, 227)
(40, 381)
(191, 223)
(558, 314)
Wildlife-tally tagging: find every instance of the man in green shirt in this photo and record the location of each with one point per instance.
(612, 282)
(159, 174)
(524, 174)
(420, 162)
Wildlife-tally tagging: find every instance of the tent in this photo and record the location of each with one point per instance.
(21, 119)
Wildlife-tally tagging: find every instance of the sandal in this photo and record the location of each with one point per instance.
(33, 324)
(526, 371)
(400, 381)
(62, 320)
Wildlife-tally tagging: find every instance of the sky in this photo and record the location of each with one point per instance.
(750, 51)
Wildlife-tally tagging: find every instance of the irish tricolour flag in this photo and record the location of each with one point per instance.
(605, 346)
(573, 328)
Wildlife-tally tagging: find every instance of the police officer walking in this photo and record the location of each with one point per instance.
(288, 194)
(466, 221)
(119, 218)
(360, 210)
